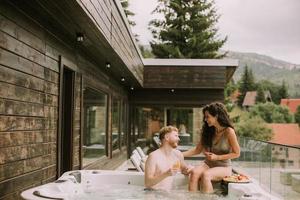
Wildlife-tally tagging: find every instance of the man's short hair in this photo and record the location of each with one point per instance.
(164, 130)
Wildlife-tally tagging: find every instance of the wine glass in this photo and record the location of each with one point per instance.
(176, 167)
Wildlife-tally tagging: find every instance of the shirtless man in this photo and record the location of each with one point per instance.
(163, 163)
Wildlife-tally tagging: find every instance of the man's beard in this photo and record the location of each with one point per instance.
(174, 144)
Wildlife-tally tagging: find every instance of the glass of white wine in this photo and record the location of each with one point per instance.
(176, 167)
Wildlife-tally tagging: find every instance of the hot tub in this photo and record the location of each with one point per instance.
(105, 184)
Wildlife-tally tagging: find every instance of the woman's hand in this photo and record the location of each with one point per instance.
(211, 156)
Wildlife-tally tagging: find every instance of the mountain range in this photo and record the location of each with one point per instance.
(268, 68)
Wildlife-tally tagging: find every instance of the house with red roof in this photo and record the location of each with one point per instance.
(286, 134)
(292, 104)
(250, 98)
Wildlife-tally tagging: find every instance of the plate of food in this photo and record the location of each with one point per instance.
(236, 178)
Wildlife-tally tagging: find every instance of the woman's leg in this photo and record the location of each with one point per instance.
(195, 176)
(213, 174)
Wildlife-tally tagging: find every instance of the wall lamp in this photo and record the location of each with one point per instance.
(122, 79)
(79, 37)
(108, 65)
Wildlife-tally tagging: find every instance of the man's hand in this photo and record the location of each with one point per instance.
(187, 170)
(171, 172)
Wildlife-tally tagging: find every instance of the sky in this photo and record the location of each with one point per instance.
(268, 27)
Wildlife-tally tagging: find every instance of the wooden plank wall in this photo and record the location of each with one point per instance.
(29, 85)
(184, 77)
(108, 19)
(29, 94)
(28, 108)
(29, 89)
(180, 97)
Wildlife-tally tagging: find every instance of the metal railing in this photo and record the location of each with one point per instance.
(275, 167)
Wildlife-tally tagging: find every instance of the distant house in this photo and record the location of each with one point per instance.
(250, 98)
(291, 103)
(286, 134)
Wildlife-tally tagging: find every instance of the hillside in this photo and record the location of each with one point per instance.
(265, 67)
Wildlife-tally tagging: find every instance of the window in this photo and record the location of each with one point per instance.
(123, 124)
(115, 124)
(149, 120)
(182, 118)
(94, 127)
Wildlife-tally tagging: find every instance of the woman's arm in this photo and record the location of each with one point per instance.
(193, 151)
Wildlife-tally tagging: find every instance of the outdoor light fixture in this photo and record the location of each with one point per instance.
(108, 65)
(122, 79)
(132, 88)
(172, 90)
(79, 37)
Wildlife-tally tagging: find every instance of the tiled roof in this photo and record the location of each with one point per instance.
(288, 134)
(250, 98)
(291, 103)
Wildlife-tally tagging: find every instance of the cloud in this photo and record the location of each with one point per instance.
(268, 27)
(142, 10)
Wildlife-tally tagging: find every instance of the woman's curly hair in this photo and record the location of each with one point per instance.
(218, 110)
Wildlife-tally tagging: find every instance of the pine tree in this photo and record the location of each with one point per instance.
(272, 88)
(128, 13)
(246, 84)
(283, 93)
(146, 53)
(187, 30)
(230, 88)
(260, 95)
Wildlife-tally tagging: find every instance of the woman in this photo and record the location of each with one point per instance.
(218, 143)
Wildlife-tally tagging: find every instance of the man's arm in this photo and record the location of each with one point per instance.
(150, 178)
(185, 169)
